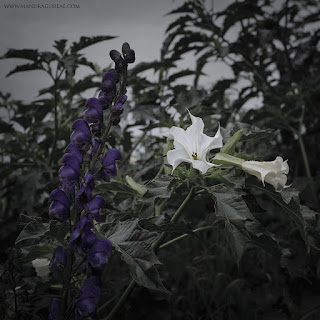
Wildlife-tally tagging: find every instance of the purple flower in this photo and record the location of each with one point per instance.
(118, 107)
(89, 296)
(94, 207)
(130, 56)
(59, 260)
(96, 145)
(105, 99)
(94, 114)
(109, 167)
(60, 205)
(114, 54)
(82, 238)
(81, 135)
(54, 309)
(120, 64)
(99, 253)
(69, 172)
(109, 85)
(111, 73)
(73, 149)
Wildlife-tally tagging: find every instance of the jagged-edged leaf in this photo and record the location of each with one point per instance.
(185, 8)
(116, 186)
(180, 74)
(33, 230)
(155, 65)
(182, 21)
(25, 67)
(292, 208)
(60, 45)
(133, 242)
(252, 132)
(37, 251)
(28, 54)
(85, 42)
(83, 85)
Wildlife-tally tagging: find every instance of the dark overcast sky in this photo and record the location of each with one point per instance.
(140, 22)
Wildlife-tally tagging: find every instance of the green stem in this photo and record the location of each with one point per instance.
(56, 128)
(155, 246)
(185, 235)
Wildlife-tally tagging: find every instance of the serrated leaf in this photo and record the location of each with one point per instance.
(28, 54)
(33, 230)
(115, 186)
(38, 251)
(85, 42)
(25, 67)
(133, 242)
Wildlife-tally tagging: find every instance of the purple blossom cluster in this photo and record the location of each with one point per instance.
(77, 178)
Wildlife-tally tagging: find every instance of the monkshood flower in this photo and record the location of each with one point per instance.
(192, 145)
(94, 207)
(69, 172)
(54, 309)
(71, 148)
(82, 237)
(94, 114)
(273, 172)
(118, 107)
(81, 135)
(58, 261)
(99, 253)
(89, 296)
(109, 167)
(105, 99)
(60, 205)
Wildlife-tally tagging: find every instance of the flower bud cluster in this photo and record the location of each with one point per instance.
(77, 178)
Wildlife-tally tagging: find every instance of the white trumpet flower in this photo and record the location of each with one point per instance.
(192, 145)
(273, 172)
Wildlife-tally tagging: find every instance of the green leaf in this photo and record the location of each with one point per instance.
(136, 186)
(38, 251)
(133, 242)
(28, 54)
(116, 186)
(5, 127)
(33, 230)
(85, 42)
(292, 208)
(25, 67)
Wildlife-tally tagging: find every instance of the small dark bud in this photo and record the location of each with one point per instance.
(120, 64)
(125, 48)
(114, 54)
(130, 56)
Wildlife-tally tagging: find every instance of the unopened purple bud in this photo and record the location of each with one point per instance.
(114, 54)
(81, 135)
(108, 86)
(122, 99)
(99, 253)
(130, 56)
(58, 261)
(117, 110)
(60, 205)
(73, 149)
(106, 99)
(109, 163)
(120, 64)
(125, 47)
(95, 205)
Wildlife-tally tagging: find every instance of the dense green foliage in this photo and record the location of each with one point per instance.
(239, 250)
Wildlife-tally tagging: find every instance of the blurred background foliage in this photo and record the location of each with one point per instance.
(275, 66)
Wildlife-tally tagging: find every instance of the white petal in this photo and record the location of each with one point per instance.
(181, 140)
(212, 143)
(176, 156)
(202, 165)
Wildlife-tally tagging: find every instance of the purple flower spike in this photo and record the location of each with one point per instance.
(69, 172)
(109, 85)
(89, 296)
(58, 261)
(60, 206)
(73, 149)
(81, 135)
(82, 238)
(95, 205)
(99, 253)
(109, 163)
(54, 309)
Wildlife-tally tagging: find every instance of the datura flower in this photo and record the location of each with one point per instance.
(192, 145)
(273, 172)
